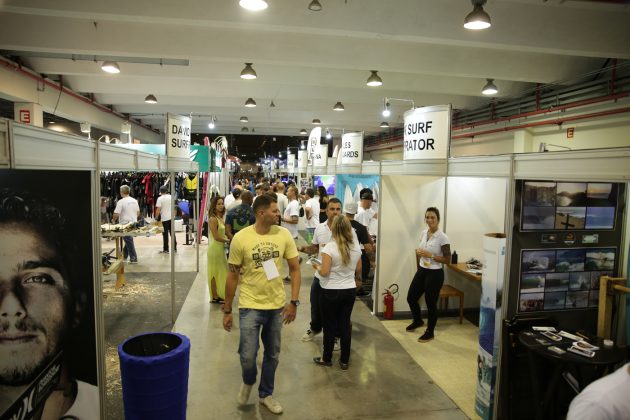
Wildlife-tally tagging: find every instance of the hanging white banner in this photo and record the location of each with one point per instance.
(320, 157)
(427, 132)
(178, 136)
(290, 160)
(302, 159)
(351, 148)
(313, 142)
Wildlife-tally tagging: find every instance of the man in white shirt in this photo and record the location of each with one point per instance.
(311, 211)
(127, 211)
(366, 214)
(604, 399)
(235, 199)
(283, 201)
(163, 212)
(291, 214)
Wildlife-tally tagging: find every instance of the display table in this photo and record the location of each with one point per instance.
(584, 369)
(118, 266)
(462, 268)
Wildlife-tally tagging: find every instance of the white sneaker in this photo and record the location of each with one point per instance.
(271, 404)
(243, 394)
(337, 346)
(308, 336)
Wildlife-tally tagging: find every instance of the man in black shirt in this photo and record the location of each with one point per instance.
(365, 240)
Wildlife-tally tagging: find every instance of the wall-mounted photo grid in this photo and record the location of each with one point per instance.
(568, 206)
(561, 279)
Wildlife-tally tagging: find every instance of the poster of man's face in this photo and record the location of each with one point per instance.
(47, 336)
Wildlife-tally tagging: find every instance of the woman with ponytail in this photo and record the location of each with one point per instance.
(340, 272)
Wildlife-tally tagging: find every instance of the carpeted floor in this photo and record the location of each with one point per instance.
(143, 305)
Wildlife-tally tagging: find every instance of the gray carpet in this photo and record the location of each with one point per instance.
(143, 305)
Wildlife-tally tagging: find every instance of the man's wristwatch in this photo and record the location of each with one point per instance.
(296, 303)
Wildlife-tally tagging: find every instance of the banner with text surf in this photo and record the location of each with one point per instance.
(320, 157)
(313, 142)
(351, 148)
(178, 136)
(427, 132)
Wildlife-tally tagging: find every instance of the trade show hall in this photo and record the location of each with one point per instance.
(384, 381)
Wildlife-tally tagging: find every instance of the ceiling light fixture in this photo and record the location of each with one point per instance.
(478, 18)
(374, 79)
(315, 6)
(328, 134)
(272, 105)
(253, 5)
(316, 121)
(386, 110)
(245, 129)
(248, 72)
(110, 67)
(250, 103)
(150, 99)
(303, 132)
(302, 146)
(244, 119)
(211, 124)
(338, 107)
(384, 124)
(490, 88)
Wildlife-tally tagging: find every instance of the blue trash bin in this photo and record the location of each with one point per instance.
(154, 373)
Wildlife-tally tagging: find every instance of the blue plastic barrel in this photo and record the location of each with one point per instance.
(154, 373)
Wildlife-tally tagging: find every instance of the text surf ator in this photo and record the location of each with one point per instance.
(181, 131)
(422, 127)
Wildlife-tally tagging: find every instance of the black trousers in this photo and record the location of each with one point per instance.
(365, 265)
(336, 311)
(316, 307)
(429, 283)
(165, 240)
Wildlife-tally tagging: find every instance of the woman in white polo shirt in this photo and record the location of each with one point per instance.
(340, 273)
(433, 251)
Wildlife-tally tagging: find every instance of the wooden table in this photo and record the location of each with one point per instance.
(462, 269)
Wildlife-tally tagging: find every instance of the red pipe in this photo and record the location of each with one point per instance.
(47, 82)
(546, 122)
(576, 104)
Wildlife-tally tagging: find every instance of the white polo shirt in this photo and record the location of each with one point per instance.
(434, 246)
(322, 236)
(293, 209)
(313, 204)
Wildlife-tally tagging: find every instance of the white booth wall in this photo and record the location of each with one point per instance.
(401, 219)
(474, 207)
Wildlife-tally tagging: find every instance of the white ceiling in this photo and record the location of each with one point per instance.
(306, 61)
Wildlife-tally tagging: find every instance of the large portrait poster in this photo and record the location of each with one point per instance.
(48, 362)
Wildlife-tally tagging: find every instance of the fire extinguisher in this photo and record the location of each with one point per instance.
(388, 301)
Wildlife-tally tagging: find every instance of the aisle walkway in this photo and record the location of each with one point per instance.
(383, 381)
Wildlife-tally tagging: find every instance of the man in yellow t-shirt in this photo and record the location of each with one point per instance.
(258, 251)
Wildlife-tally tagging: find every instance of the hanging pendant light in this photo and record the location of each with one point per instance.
(338, 107)
(386, 110)
(245, 130)
(384, 124)
(211, 124)
(328, 134)
(248, 72)
(303, 132)
(374, 79)
(244, 119)
(253, 5)
(315, 6)
(150, 99)
(110, 67)
(272, 105)
(316, 121)
(490, 88)
(478, 18)
(250, 103)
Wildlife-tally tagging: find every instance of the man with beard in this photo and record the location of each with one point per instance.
(38, 310)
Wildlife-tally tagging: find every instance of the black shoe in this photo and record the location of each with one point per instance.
(427, 336)
(287, 280)
(414, 325)
(343, 366)
(217, 300)
(319, 361)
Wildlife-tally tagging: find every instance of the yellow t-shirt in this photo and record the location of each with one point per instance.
(250, 250)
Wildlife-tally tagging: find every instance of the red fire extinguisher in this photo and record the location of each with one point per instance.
(388, 301)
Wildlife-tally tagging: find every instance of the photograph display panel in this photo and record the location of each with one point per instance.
(562, 279)
(326, 181)
(568, 205)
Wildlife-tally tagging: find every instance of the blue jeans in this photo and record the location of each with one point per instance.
(251, 323)
(129, 249)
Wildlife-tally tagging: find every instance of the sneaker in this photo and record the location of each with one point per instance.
(427, 336)
(414, 325)
(243, 394)
(163, 252)
(343, 366)
(321, 362)
(133, 261)
(337, 346)
(308, 336)
(272, 404)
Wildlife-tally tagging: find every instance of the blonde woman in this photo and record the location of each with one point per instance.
(340, 273)
(217, 261)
